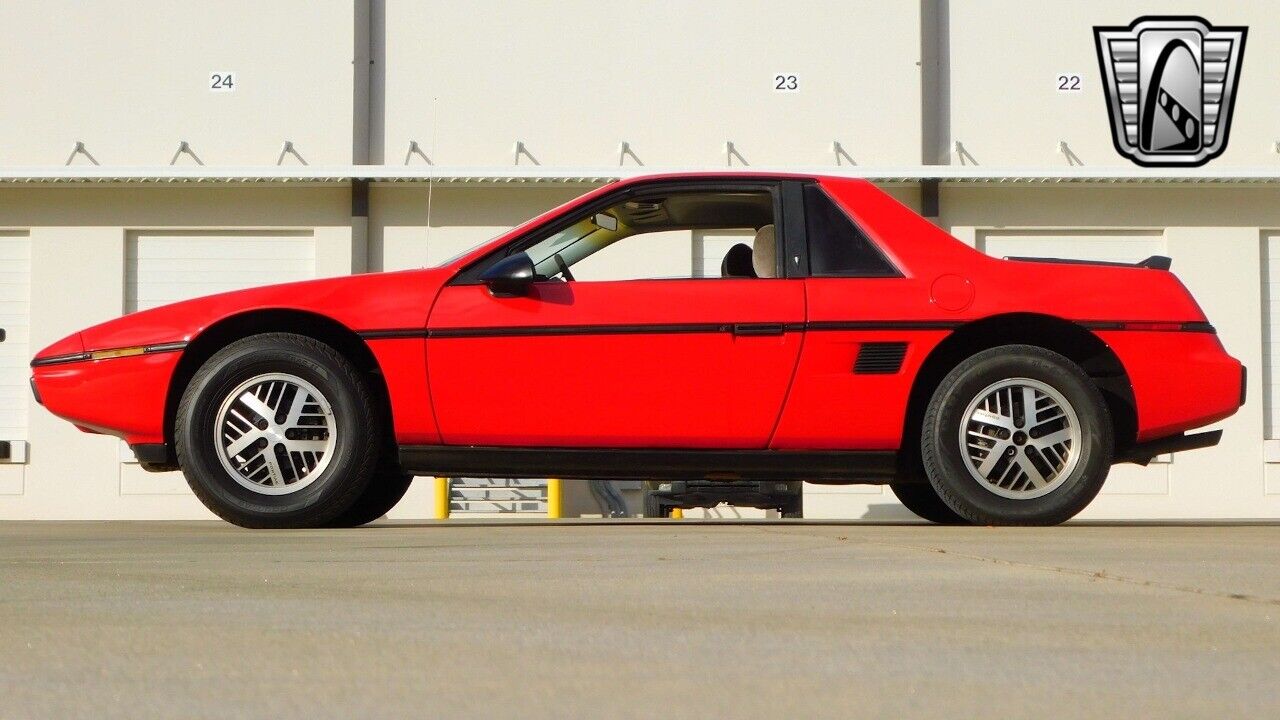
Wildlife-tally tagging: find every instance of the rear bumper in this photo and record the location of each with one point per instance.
(1180, 380)
(1145, 452)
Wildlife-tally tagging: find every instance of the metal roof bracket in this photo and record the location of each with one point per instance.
(80, 150)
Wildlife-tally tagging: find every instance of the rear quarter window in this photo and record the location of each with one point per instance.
(837, 246)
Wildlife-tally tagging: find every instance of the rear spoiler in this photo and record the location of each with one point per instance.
(1155, 262)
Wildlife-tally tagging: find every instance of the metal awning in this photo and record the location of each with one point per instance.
(528, 175)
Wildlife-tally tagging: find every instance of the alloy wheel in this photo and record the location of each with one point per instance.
(275, 433)
(1020, 438)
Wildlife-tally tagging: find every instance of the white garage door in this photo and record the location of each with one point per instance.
(15, 304)
(166, 266)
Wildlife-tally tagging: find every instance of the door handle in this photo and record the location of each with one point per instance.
(754, 329)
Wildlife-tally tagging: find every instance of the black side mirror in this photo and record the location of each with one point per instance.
(510, 276)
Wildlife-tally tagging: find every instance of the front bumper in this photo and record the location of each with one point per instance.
(125, 396)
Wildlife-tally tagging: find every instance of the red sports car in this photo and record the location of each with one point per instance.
(851, 341)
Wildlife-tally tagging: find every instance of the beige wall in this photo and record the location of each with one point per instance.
(574, 79)
(131, 80)
(414, 225)
(674, 79)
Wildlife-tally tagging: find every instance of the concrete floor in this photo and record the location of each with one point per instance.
(673, 619)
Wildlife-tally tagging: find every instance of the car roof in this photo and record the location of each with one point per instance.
(717, 175)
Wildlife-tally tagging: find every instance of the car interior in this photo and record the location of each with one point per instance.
(555, 256)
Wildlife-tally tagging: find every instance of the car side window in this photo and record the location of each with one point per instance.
(837, 246)
(674, 235)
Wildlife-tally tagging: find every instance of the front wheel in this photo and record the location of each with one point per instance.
(278, 431)
(1017, 435)
(384, 492)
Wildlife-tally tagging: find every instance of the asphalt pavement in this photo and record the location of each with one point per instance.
(671, 619)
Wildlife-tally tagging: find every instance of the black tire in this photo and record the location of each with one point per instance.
(947, 468)
(385, 490)
(653, 506)
(354, 456)
(921, 499)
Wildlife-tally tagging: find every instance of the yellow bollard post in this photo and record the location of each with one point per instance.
(555, 499)
(442, 498)
(677, 514)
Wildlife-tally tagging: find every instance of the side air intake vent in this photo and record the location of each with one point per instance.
(880, 358)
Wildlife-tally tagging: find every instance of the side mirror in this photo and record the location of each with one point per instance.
(510, 276)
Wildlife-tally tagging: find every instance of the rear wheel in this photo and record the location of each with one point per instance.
(278, 431)
(1017, 435)
(921, 499)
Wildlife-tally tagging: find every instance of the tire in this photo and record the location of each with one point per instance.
(983, 397)
(921, 499)
(384, 491)
(307, 489)
(653, 506)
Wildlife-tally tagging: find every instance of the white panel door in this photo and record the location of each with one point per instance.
(15, 318)
(167, 266)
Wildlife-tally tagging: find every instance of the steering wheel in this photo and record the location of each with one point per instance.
(564, 267)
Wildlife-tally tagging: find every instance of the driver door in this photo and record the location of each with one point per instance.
(650, 363)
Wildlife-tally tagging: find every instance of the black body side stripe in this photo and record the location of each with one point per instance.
(656, 329)
(393, 333)
(1143, 325)
(883, 325)
(646, 329)
(695, 328)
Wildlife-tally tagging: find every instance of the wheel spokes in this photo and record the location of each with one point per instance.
(275, 433)
(1020, 438)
